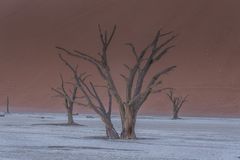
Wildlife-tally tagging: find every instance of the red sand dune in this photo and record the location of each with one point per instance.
(207, 50)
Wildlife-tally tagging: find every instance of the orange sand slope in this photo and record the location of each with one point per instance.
(207, 50)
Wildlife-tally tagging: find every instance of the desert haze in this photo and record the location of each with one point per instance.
(207, 51)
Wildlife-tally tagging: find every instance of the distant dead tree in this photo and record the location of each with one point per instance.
(69, 96)
(177, 103)
(8, 105)
(136, 92)
(93, 99)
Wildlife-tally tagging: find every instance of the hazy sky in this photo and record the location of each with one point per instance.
(207, 49)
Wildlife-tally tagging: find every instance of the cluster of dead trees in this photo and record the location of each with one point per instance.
(138, 89)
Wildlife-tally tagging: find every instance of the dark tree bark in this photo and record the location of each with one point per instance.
(177, 103)
(69, 98)
(70, 115)
(8, 111)
(136, 94)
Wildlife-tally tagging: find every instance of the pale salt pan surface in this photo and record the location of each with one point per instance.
(30, 137)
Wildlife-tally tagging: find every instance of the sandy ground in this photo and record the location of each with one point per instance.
(30, 137)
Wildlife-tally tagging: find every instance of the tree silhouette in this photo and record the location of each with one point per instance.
(136, 94)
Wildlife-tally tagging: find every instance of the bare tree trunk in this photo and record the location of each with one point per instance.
(8, 105)
(70, 116)
(175, 114)
(111, 133)
(128, 131)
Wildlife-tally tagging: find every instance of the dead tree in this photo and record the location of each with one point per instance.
(177, 103)
(8, 105)
(136, 94)
(69, 98)
(93, 100)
